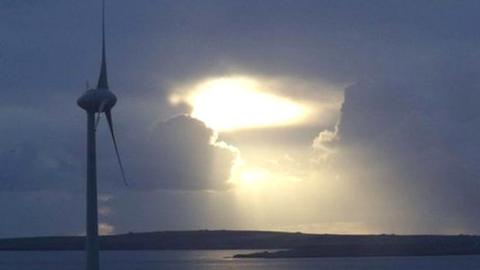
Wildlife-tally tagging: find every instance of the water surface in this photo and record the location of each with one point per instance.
(221, 260)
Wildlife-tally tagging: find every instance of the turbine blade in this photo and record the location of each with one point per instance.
(97, 120)
(108, 114)
(100, 111)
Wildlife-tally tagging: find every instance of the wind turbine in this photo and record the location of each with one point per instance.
(97, 101)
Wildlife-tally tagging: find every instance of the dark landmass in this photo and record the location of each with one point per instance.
(167, 240)
(292, 245)
(392, 247)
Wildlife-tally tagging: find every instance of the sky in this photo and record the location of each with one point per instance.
(315, 116)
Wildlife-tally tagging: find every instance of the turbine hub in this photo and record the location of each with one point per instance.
(94, 99)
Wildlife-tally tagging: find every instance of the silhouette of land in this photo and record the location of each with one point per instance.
(291, 244)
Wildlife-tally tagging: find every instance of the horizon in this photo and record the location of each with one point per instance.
(246, 231)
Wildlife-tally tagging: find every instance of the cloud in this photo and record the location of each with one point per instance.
(10, 4)
(183, 154)
(324, 144)
(105, 228)
(30, 213)
(178, 154)
(242, 102)
(104, 210)
(37, 152)
(411, 141)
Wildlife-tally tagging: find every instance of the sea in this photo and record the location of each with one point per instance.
(221, 260)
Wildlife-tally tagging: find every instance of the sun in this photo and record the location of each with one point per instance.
(233, 103)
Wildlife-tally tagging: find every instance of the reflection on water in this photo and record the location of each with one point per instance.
(222, 260)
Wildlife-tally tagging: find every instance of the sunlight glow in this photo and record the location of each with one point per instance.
(233, 103)
(253, 175)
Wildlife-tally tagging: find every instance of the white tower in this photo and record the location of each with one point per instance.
(96, 101)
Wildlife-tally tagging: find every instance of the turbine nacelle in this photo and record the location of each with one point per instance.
(97, 100)
(101, 101)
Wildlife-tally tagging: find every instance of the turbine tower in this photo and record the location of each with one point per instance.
(97, 101)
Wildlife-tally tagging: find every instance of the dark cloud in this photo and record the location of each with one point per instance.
(8, 4)
(413, 140)
(41, 213)
(182, 154)
(37, 151)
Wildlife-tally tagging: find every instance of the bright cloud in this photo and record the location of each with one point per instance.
(240, 102)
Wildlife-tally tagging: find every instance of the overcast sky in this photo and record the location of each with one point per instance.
(392, 145)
